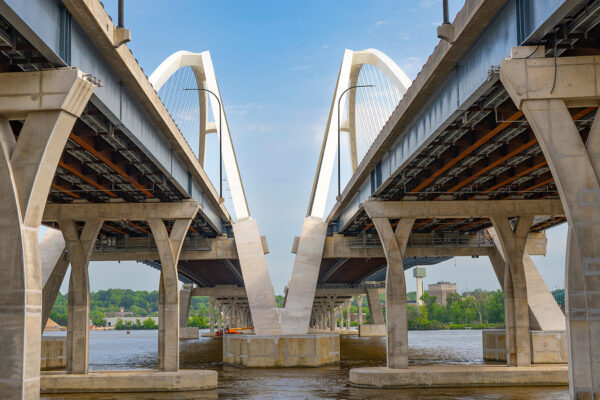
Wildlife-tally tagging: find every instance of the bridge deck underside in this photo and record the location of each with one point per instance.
(99, 163)
(356, 270)
(209, 273)
(487, 152)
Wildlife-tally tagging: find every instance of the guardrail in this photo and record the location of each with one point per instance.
(372, 241)
(372, 285)
(107, 244)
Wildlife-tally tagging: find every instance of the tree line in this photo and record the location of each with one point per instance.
(141, 303)
(476, 309)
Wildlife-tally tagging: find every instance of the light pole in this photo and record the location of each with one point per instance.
(220, 141)
(339, 133)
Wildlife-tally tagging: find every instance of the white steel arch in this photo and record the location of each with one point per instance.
(352, 63)
(201, 65)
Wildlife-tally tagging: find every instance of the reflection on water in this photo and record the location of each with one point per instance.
(117, 350)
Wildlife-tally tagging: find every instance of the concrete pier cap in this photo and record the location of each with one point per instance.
(188, 380)
(281, 351)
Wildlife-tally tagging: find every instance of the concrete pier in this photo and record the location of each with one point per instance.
(272, 351)
(547, 347)
(54, 353)
(372, 330)
(460, 376)
(128, 381)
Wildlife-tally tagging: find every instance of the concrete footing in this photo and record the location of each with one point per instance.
(128, 381)
(372, 330)
(547, 347)
(54, 352)
(189, 332)
(271, 351)
(460, 376)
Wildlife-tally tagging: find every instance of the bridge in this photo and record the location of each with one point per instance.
(491, 145)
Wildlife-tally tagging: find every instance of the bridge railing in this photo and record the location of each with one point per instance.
(370, 285)
(108, 244)
(478, 240)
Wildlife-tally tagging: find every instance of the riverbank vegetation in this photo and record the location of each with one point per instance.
(140, 303)
(473, 310)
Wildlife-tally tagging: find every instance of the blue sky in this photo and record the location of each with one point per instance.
(277, 63)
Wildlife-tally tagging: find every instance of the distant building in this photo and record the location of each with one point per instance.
(440, 290)
(419, 273)
(119, 314)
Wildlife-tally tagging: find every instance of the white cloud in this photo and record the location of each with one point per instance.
(429, 3)
(242, 109)
(300, 68)
(261, 128)
(379, 23)
(403, 35)
(412, 66)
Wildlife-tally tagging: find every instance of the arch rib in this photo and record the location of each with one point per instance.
(352, 62)
(201, 64)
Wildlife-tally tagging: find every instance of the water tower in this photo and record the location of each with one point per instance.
(419, 274)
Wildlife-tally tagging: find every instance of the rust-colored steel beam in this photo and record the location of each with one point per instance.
(83, 177)
(65, 191)
(102, 157)
(469, 150)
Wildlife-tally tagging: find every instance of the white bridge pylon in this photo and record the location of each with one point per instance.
(352, 63)
(201, 65)
(295, 317)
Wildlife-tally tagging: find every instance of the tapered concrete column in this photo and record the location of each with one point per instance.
(332, 321)
(169, 248)
(54, 262)
(211, 315)
(575, 167)
(516, 309)
(375, 308)
(219, 317)
(80, 248)
(544, 312)
(185, 299)
(49, 102)
(359, 303)
(394, 246)
(348, 318)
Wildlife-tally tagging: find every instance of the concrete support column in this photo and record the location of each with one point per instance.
(49, 103)
(54, 263)
(332, 319)
(375, 308)
(394, 246)
(185, 299)
(348, 318)
(544, 313)
(516, 309)
(575, 167)
(211, 315)
(219, 317)
(169, 247)
(359, 303)
(80, 250)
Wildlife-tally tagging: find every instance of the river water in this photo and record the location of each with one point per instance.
(138, 350)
